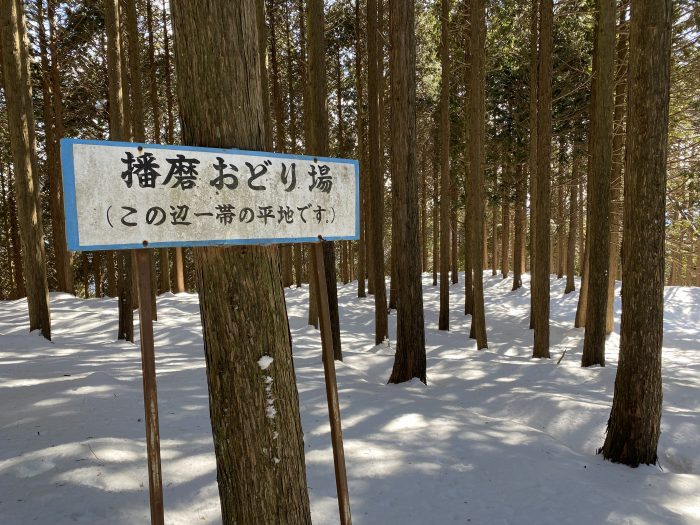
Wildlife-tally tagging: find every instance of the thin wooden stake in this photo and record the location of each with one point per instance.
(150, 394)
(341, 480)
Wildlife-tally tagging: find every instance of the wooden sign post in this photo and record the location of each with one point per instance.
(150, 392)
(341, 479)
(126, 196)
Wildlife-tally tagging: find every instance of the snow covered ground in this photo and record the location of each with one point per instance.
(495, 438)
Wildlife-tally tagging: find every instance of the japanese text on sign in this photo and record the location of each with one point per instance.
(119, 195)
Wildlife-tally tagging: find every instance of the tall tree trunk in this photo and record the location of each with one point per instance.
(635, 419)
(164, 259)
(573, 223)
(409, 361)
(444, 319)
(505, 235)
(392, 259)
(360, 37)
(5, 226)
(618, 156)
(424, 210)
(519, 226)
(20, 121)
(581, 308)
(117, 130)
(697, 258)
(304, 72)
(97, 272)
(65, 276)
(16, 256)
(599, 198)
(298, 264)
(137, 112)
(376, 194)
(340, 139)
(280, 142)
(454, 248)
(542, 201)
(468, 189)
(53, 111)
(296, 250)
(532, 154)
(262, 63)
(476, 163)
(178, 266)
(253, 401)
(153, 83)
(85, 274)
(561, 224)
(317, 143)
(436, 212)
(494, 237)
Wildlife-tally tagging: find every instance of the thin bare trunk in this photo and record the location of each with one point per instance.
(532, 154)
(376, 194)
(444, 320)
(476, 163)
(599, 197)
(20, 121)
(618, 155)
(544, 147)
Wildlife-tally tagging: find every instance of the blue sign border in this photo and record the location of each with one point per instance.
(71, 211)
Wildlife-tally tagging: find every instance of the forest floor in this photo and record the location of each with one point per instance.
(495, 438)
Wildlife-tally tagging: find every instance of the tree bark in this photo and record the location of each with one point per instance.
(618, 155)
(561, 225)
(137, 110)
(599, 198)
(317, 143)
(454, 248)
(20, 121)
(635, 419)
(532, 154)
(65, 276)
(376, 193)
(117, 130)
(436, 212)
(424, 211)
(573, 223)
(17, 270)
(97, 272)
(468, 187)
(505, 236)
(262, 49)
(164, 259)
(494, 238)
(53, 113)
(519, 226)
(542, 201)
(392, 259)
(360, 37)
(476, 164)
(444, 319)
(5, 214)
(178, 268)
(254, 407)
(85, 267)
(410, 360)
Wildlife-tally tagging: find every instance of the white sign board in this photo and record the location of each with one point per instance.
(121, 195)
